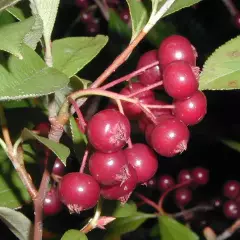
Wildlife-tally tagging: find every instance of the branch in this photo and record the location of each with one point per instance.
(230, 231)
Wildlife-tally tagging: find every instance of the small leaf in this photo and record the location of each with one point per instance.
(170, 229)
(232, 144)
(61, 151)
(29, 77)
(74, 235)
(103, 221)
(125, 210)
(19, 225)
(7, 3)
(16, 12)
(222, 69)
(72, 54)
(6, 18)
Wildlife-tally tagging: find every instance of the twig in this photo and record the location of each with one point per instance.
(231, 7)
(230, 231)
(148, 201)
(103, 9)
(84, 160)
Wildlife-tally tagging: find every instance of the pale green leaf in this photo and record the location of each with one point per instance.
(222, 69)
(6, 18)
(232, 144)
(61, 151)
(29, 77)
(125, 210)
(74, 235)
(16, 12)
(7, 3)
(71, 54)
(170, 229)
(18, 223)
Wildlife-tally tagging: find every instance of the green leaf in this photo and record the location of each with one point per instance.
(128, 224)
(72, 54)
(222, 69)
(170, 229)
(19, 225)
(6, 18)
(232, 144)
(29, 77)
(7, 3)
(125, 210)
(74, 235)
(16, 12)
(61, 151)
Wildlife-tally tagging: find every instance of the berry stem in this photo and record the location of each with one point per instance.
(129, 76)
(231, 7)
(84, 160)
(148, 113)
(160, 106)
(148, 201)
(230, 231)
(120, 107)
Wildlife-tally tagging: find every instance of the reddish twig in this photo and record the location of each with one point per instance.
(148, 201)
(84, 160)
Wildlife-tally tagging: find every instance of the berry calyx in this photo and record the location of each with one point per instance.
(179, 80)
(58, 168)
(143, 160)
(192, 110)
(183, 196)
(170, 137)
(175, 48)
(165, 182)
(108, 168)
(184, 176)
(52, 203)
(108, 131)
(200, 175)
(231, 189)
(79, 191)
(231, 209)
(151, 75)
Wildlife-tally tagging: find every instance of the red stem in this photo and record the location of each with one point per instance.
(159, 106)
(84, 160)
(148, 201)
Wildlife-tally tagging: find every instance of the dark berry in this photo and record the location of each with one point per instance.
(183, 196)
(217, 202)
(144, 161)
(231, 209)
(79, 191)
(170, 137)
(125, 15)
(151, 75)
(43, 128)
(184, 176)
(58, 168)
(200, 175)
(179, 80)
(165, 182)
(175, 48)
(231, 189)
(82, 3)
(237, 21)
(152, 183)
(108, 168)
(93, 28)
(52, 203)
(86, 17)
(121, 191)
(108, 130)
(192, 110)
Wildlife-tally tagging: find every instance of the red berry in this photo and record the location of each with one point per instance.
(108, 168)
(108, 130)
(43, 128)
(183, 196)
(231, 189)
(125, 15)
(82, 3)
(179, 80)
(152, 75)
(144, 161)
(200, 175)
(152, 183)
(121, 191)
(184, 176)
(170, 137)
(143, 121)
(86, 17)
(93, 28)
(58, 168)
(165, 182)
(132, 110)
(237, 21)
(52, 203)
(192, 110)
(79, 191)
(176, 48)
(231, 209)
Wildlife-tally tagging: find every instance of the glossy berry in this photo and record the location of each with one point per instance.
(58, 168)
(148, 133)
(237, 21)
(144, 161)
(108, 168)
(79, 191)
(132, 110)
(86, 17)
(217, 202)
(121, 191)
(200, 175)
(125, 15)
(192, 110)
(170, 137)
(93, 28)
(152, 183)
(52, 203)
(231, 209)
(82, 3)
(183, 196)
(108, 130)
(175, 48)
(179, 80)
(231, 189)
(151, 75)
(184, 176)
(165, 182)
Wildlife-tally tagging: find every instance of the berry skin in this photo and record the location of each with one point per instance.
(217, 202)
(183, 196)
(121, 191)
(192, 110)
(125, 15)
(82, 3)
(179, 80)
(231, 189)
(184, 176)
(43, 128)
(175, 48)
(108, 168)
(132, 110)
(93, 28)
(170, 137)
(108, 131)
(79, 191)
(165, 182)
(52, 203)
(143, 160)
(86, 17)
(237, 21)
(151, 75)
(200, 175)
(58, 168)
(231, 209)
(152, 183)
